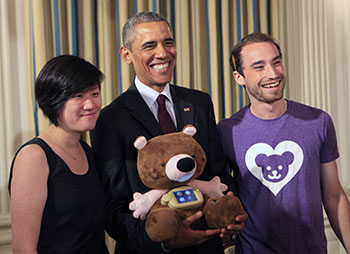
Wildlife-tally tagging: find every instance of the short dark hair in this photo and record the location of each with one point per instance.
(61, 78)
(129, 32)
(235, 59)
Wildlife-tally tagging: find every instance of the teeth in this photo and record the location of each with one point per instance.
(160, 66)
(271, 85)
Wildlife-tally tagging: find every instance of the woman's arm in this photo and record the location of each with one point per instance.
(28, 197)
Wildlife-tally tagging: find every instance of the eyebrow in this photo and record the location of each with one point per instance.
(153, 42)
(277, 57)
(90, 88)
(262, 61)
(169, 39)
(257, 63)
(148, 43)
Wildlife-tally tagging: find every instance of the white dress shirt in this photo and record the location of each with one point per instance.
(150, 96)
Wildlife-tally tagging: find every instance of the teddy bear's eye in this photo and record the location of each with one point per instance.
(193, 156)
(163, 164)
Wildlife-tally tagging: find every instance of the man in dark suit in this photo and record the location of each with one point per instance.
(149, 46)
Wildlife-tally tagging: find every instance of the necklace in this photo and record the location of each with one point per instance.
(73, 157)
(63, 150)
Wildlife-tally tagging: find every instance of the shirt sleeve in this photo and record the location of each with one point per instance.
(329, 149)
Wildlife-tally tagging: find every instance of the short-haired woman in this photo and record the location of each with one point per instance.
(57, 199)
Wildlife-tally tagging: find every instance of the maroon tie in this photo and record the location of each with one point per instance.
(165, 121)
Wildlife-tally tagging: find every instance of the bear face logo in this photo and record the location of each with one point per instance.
(274, 167)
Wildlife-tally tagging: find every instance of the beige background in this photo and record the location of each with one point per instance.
(313, 34)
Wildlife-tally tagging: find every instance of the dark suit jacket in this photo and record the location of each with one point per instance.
(119, 124)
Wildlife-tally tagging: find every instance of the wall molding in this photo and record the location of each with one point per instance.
(5, 229)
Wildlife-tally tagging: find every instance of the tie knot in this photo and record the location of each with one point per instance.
(161, 100)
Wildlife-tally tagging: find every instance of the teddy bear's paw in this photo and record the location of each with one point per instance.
(139, 206)
(142, 203)
(162, 224)
(222, 211)
(216, 183)
(213, 188)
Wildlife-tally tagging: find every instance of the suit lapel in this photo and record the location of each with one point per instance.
(140, 111)
(184, 109)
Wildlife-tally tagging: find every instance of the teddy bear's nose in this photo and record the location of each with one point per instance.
(186, 164)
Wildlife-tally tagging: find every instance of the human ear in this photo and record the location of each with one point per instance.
(239, 78)
(125, 54)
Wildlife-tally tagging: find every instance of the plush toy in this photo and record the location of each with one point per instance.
(169, 164)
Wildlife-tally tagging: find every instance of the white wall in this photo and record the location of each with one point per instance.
(318, 69)
(14, 127)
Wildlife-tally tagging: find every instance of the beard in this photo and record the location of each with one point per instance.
(260, 94)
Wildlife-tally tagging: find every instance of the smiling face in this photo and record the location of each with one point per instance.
(264, 77)
(80, 113)
(152, 53)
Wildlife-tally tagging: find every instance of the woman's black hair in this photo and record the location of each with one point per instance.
(61, 78)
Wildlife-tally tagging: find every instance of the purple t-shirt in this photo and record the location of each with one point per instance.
(276, 166)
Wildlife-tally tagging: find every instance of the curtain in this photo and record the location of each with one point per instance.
(204, 30)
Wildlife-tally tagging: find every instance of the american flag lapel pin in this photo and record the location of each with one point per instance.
(187, 109)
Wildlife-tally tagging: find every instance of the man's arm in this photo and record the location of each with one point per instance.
(215, 155)
(217, 167)
(336, 203)
(111, 162)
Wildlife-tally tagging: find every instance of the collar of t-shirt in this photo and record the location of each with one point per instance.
(150, 96)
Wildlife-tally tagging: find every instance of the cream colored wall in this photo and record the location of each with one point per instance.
(317, 53)
(14, 127)
(318, 67)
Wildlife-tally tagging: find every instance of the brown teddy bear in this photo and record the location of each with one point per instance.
(169, 164)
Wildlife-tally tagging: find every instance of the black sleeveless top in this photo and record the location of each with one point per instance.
(72, 220)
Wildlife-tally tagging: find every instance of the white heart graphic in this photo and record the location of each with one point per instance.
(262, 148)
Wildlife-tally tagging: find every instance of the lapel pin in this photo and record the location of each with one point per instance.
(187, 109)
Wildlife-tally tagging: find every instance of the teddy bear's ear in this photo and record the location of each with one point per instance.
(189, 130)
(140, 142)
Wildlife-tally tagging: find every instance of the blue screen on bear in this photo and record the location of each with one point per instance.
(185, 196)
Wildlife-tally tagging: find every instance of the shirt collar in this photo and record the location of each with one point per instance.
(150, 95)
